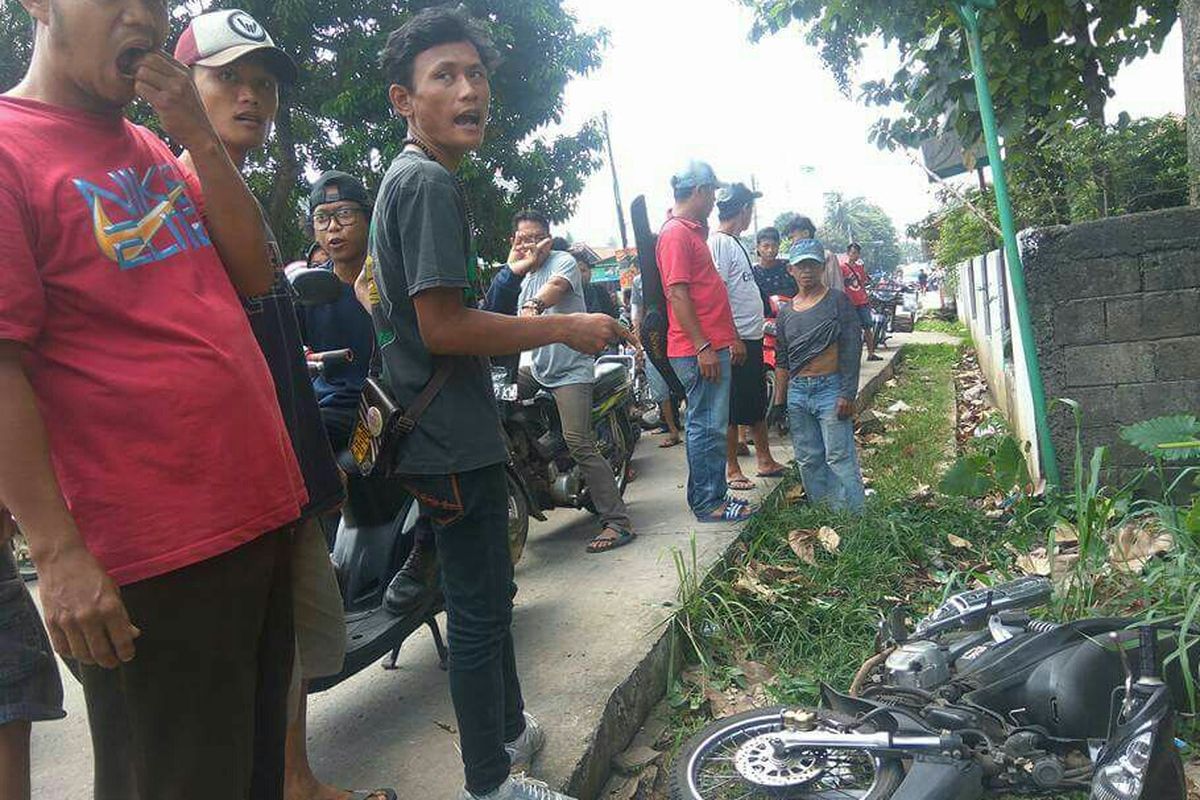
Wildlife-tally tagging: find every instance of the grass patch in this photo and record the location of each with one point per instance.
(814, 623)
(917, 443)
(948, 327)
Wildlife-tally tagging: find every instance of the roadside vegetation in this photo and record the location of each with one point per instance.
(952, 506)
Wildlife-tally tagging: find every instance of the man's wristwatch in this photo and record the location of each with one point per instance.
(535, 304)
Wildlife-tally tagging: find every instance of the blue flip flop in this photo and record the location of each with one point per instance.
(735, 511)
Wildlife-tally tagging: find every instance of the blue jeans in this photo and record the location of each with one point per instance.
(824, 444)
(707, 422)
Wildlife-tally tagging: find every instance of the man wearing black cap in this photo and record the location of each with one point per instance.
(747, 394)
(340, 212)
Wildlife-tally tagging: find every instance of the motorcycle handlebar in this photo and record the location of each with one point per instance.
(331, 358)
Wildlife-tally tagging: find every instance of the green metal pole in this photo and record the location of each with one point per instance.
(1016, 272)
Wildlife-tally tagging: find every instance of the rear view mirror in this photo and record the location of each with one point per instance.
(315, 287)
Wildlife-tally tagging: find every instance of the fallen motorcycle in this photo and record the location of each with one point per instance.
(979, 698)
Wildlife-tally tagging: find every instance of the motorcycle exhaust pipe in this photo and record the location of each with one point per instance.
(788, 741)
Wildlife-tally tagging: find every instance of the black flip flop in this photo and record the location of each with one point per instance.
(624, 537)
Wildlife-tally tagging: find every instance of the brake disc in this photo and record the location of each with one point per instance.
(757, 762)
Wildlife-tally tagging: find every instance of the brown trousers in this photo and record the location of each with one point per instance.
(200, 713)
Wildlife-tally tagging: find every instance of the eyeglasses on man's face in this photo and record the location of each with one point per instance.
(345, 218)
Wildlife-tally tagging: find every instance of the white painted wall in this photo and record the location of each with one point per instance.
(985, 302)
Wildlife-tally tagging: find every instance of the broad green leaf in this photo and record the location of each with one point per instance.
(967, 478)
(1149, 436)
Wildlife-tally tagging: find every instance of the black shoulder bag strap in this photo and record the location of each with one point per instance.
(412, 415)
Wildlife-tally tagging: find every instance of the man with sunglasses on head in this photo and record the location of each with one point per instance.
(340, 213)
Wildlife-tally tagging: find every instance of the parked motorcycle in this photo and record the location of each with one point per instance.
(373, 535)
(774, 303)
(545, 473)
(979, 698)
(883, 312)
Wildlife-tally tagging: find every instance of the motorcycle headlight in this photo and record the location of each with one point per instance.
(1122, 777)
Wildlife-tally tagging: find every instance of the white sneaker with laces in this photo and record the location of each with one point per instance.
(518, 787)
(522, 750)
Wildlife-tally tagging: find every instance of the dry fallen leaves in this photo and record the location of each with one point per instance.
(829, 539)
(1137, 542)
(748, 583)
(804, 543)
(899, 406)
(795, 494)
(957, 541)
(803, 546)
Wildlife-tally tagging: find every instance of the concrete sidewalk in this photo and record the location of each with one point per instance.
(591, 639)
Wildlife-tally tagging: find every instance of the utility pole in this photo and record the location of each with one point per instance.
(1189, 13)
(754, 188)
(968, 12)
(616, 184)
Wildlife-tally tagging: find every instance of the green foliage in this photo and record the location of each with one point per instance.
(859, 220)
(959, 233)
(1169, 438)
(950, 327)
(1000, 467)
(338, 115)
(1086, 173)
(1051, 62)
(14, 56)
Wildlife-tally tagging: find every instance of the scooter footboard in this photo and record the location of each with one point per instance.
(943, 779)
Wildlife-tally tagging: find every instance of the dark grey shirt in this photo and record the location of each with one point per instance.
(801, 336)
(420, 240)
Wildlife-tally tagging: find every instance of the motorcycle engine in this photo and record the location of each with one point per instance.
(566, 487)
(918, 665)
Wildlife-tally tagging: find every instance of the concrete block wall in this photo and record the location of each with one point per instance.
(1115, 307)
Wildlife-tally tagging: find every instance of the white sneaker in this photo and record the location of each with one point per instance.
(522, 750)
(518, 787)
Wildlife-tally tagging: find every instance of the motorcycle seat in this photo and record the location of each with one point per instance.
(609, 378)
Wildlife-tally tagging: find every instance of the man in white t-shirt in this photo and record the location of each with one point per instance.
(748, 397)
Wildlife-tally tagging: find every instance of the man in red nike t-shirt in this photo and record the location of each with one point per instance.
(141, 442)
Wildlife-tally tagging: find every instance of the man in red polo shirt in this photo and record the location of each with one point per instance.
(142, 449)
(702, 342)
(855, 283)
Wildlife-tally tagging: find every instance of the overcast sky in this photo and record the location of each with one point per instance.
(680, 79)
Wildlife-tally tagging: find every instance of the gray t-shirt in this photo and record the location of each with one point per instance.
(745, 300)
(419, 241)
(557, 365)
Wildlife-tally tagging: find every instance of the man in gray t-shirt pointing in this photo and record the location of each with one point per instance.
(554, 285)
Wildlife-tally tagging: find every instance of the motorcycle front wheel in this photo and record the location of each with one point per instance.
(721, 762)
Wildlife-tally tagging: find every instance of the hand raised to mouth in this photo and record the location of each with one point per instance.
(167, 86)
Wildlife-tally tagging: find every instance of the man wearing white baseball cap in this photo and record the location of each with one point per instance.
(220, 38)
(238, 70)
